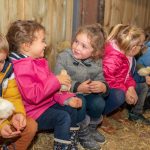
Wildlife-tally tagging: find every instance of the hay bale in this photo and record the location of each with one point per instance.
(42, 141)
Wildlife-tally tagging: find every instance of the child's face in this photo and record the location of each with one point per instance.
(81, 47)
(37, 47)
(136, 49)
(3, 56)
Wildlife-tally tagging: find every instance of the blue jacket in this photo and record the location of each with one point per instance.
(145, 58)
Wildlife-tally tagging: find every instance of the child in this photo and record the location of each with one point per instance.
(82, 62)
(123, 43)
(144, 59)
(39, 87)
(145, 62)
(17, 128)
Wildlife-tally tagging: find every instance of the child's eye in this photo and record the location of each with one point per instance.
(84, 46)
(76, 41)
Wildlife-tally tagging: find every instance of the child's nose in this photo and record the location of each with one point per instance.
(78, 46)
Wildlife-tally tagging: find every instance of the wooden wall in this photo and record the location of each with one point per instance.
(55, 15)
(127, 11)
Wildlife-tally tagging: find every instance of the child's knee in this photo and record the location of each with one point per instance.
(32, 126)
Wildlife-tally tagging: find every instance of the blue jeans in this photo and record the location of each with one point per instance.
(95, 105)
(114, 100)
(59, 118)
(81, 112)
(142, 91)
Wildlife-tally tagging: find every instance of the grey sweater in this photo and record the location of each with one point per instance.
(79, 70)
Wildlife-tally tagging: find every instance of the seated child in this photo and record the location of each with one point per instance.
(144, 61)
(123, 43)
(83, 63)
(18, 128)
(40, 88)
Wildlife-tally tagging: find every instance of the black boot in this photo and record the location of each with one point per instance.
(85, 138)
(62, 145)
(94, 132)
(74, 138)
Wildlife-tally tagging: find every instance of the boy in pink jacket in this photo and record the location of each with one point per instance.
(39, 87)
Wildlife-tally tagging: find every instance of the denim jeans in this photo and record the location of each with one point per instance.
(59, 118)
(142, 90)
(95, 105)
(81, 112)
(114, 100)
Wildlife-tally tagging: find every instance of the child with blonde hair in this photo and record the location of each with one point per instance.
(123, 43)
(84, 65)
(17, 130)
(40, 88)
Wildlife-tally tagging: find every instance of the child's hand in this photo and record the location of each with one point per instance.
(75, 102)
(97, 87)
(147, 80)
(19, 121)
(84, 87)
(6, 132)
(64, 79)
(131, 96)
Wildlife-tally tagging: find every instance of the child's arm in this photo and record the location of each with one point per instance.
(36, 82)
(111, 68)
(12, 94)
(131, 96)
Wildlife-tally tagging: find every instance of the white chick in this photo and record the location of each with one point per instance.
(64, 87)
(6, 108)
(144, 71)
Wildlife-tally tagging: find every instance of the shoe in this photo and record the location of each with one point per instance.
(96, 135)
(86, 141)
(138, 118)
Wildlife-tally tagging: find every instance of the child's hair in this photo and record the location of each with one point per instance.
(3, 44)
(147, 34)
(22, 31)
(97, 36)
(126, 36)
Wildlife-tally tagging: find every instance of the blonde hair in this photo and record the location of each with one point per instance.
(3, 44)
(126, 36)
(97, 36)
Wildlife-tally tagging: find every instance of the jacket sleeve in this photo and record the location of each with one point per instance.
(3, 123)
(111, 68)
(130, 82)
(61, 97)
(12, 94)
(35, 83)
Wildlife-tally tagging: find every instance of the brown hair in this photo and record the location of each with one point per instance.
(126, 36)
(97, 36)
(3, 44)
(22, 31)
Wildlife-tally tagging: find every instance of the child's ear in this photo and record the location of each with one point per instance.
(25, 46)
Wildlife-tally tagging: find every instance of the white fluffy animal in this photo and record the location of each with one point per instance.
(6, 108)
(144, 71)
(64, 87)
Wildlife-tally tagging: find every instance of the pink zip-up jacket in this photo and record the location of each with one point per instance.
(39, 87)
(116, 68)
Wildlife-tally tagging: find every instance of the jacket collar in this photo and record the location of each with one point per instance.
(86, 62)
